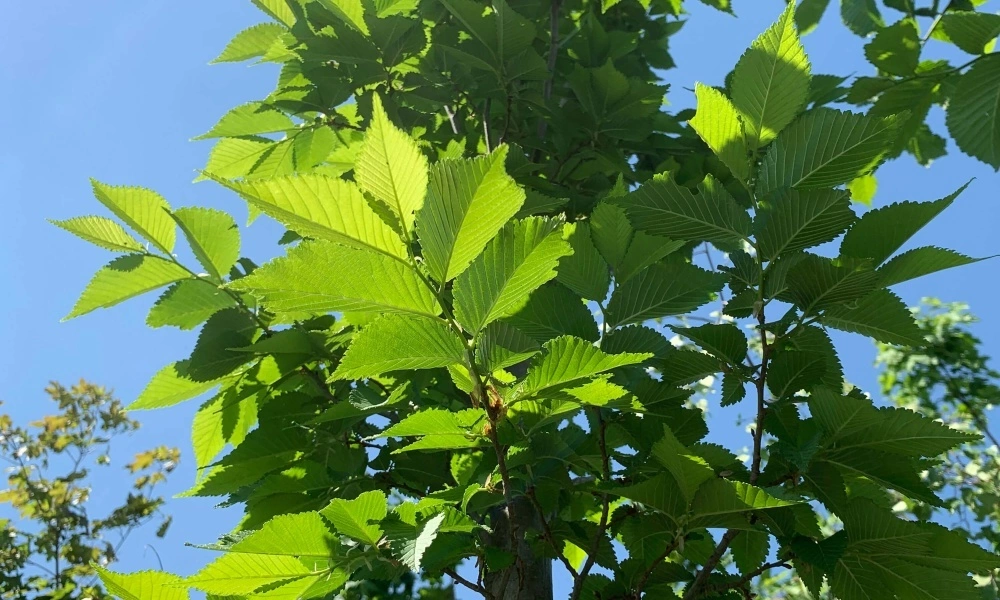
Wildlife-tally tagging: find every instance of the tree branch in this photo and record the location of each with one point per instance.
(463, 581)
(602, 527)
(699, 581)
(749, 576)
(656, 562)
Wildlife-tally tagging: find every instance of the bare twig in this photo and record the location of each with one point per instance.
(749, 576)
(475, 587)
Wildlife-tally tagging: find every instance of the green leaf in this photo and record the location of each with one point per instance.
(721, 127)
(351, 12)
(790, 220)
(750, 549)
(662, 290)
(126, 277)
(101, 231)
(320, 277)
(861, 16)
(919, 262)
(396, 343)
(724, 341)
(895, 49)
(251, 42)
(226, 418)
(252, 118)
(689, 470)
(882, 231)
(880, 315)
(973, 116)
(660, 492)
(826, 148)
(503, 345)
(681, 367)
(188, 303)
(358, 518)
(213, 236)
(391, 168)
(888, 471)
(142, 585)
(302, 534)
(322, 207)
(970, 31)
(612, 232)
(904, 432)
(436, 421)
(170, 386)
(808, 14)
(215, 355)
(790, 371)
(143, 210)
(733, 389)
(237, 157)
(863, 189)
(663, 208)
(235, 573)
(815, 282)
(553, 310)
(467, 203)
(644, 250)
(814, 340)
(568, 359)
(410, 543)
(584, 271)
(719, 500)
(514, 264)
(771, 81)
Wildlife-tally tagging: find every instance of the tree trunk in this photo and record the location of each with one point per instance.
(529, 578)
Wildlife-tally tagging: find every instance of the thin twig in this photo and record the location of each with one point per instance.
(463, 581)
(550, 64)
(656, 562)
(486, 123)
(761, 382)
(699, 581)
(547, 534)
(602, 527)
(742, 581)
(451, 119)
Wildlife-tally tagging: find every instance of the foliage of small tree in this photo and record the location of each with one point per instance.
(458, 368)
(50, 549)
(950, 380)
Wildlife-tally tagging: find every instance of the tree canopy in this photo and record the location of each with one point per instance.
(458, 367)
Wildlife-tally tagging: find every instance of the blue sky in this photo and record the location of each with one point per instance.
(115, 90)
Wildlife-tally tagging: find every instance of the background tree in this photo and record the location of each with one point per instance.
(50, 549)
(459, 368)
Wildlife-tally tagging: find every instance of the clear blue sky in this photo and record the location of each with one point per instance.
(115, 89)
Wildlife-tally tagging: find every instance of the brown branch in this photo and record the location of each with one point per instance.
(550, 65)
(656, 562)
(463, 581)
(547, 534)
(758, 433)
(602, 527)
(699, 581)
(742, 581)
